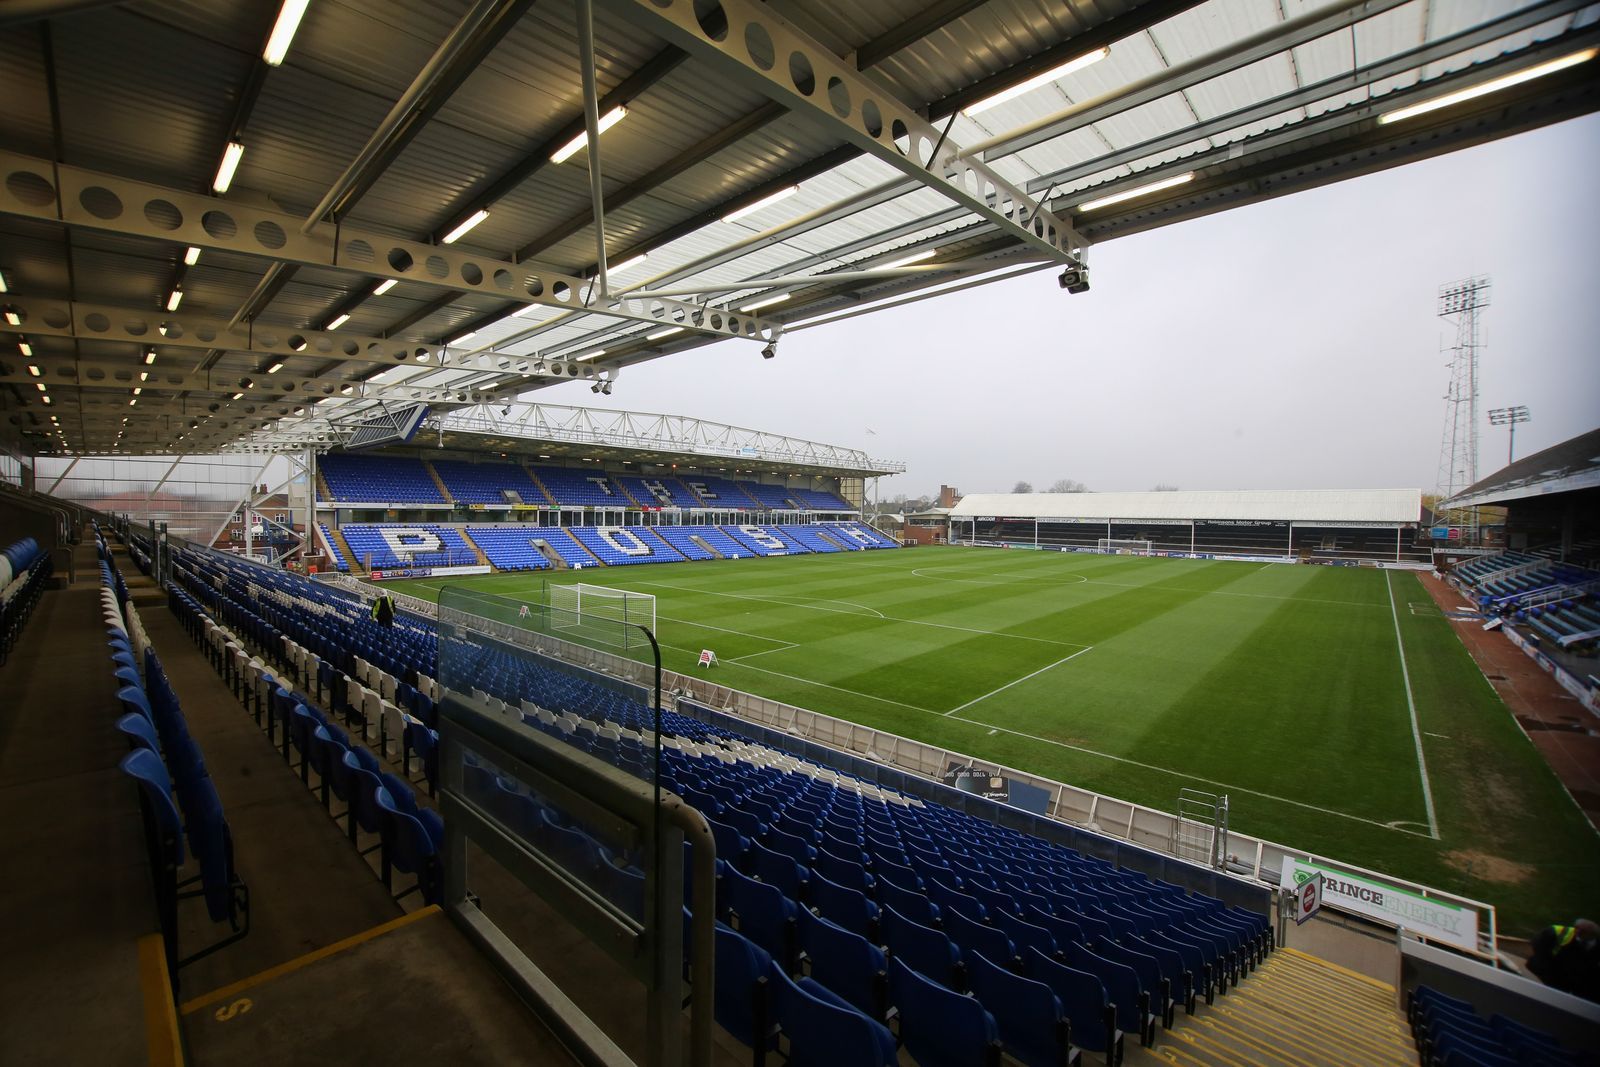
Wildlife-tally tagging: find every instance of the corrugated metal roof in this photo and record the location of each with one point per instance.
(1277, 505)
(147, 91)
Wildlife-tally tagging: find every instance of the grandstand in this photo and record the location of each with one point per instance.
(236, 250)
(1545, 588)
(1316, 527)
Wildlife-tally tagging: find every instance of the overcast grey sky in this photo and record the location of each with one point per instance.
(1288, 345)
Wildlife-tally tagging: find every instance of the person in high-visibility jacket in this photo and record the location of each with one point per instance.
(383, 610)
(1568, 958)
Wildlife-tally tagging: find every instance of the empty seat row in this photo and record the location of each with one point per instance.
(177, 799)
(312, 742)
(1450, 1032)
(24, 570)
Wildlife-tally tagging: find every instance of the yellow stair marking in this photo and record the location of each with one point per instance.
(1317, 961)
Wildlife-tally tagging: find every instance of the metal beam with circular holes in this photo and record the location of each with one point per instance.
(39, 189)
(756, 47)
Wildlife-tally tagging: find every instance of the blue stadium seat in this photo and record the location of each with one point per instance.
(1033, 1027)
(846, 963)
(378, 479)
(761, 913)
(1084, 1003)
(743, 996)
(824, 1030)
(939, 1027)
(411, 839)
(923, 949)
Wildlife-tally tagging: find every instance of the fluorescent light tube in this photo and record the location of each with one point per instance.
(659, 334)
(33, 369)
(338, 322)
(926, 253)
(237, 396)
(5, 286)
(764, 202)
(174, 299)
(1129, 194)
(149, 356)
(529, 310)
(144, 376)
(767, 302)
(26, 349)
(461, 231)
(384, 287)
(572, 147)
(1036, 81)
(464, 338)
(289, 16)
(275, 368)
(230, 163)
(1451, 99)
(137, 390)
(628, 264)
(40, 386)
(13, 318)
(191, 256)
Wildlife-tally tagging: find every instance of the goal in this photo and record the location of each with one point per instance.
(600, 614)
(1117, 547)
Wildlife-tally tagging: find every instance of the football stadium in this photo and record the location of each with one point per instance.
(366, 702)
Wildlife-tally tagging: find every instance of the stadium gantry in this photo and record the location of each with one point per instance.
(234, 235)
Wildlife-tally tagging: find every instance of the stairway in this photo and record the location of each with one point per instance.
(1295, 1010)
(337, 537)
(438, 481)
(534, 478)
(476, 551)
(323, 492)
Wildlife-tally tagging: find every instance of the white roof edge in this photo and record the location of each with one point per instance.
(1285, 505)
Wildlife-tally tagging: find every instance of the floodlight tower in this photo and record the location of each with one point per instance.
(1509, 417)
(1458, 447)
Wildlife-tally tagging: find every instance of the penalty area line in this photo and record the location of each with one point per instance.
(1019, 681)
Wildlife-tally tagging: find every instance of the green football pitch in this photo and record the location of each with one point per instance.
(1334, 706)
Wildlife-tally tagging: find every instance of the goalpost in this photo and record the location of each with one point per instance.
(599, 613)
(1120, 547)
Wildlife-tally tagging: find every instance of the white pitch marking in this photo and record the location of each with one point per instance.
(992, 729)
(885, 618)
(1018, 681)
(1411, 703)
(736, 633)
(1430, 733)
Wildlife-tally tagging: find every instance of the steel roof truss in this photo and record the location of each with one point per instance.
(768, 55)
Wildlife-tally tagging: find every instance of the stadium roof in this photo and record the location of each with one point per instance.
(1565, 468)
(555, 431)
(395, 221)
(1278, 505)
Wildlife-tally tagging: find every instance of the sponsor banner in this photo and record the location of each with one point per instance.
(425, 572)
(1429, 917)
(1590, 698)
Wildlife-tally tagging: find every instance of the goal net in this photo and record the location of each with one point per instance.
(600, 615)
(1119, 547)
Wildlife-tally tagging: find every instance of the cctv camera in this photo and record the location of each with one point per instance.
(1074, 279)
(769, 351)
